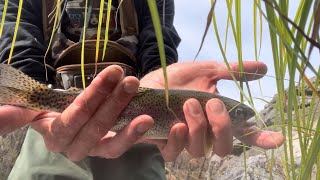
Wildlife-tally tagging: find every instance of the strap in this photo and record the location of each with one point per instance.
(44, 20)
(128, 18)
(70, 76)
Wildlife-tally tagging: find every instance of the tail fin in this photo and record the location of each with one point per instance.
(13, 78)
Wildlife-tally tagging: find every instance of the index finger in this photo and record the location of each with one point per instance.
(252, 70)
(64, 128)
(12, 117)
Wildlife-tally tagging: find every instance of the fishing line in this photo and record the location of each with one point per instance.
(116, 16)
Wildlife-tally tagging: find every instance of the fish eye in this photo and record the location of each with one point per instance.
(239, 112)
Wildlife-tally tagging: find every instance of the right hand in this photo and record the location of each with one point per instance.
(87, 121)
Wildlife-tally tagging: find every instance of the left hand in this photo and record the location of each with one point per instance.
(204, 76)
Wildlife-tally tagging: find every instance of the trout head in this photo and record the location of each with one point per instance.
(240, 114)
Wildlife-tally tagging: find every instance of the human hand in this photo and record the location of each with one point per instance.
(84, 125)
(203, 76)
(54, 126)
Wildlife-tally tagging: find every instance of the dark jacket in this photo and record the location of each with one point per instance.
(30, 48)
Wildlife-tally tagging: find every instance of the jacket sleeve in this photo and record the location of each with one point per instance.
(29, 48)
(148, 55)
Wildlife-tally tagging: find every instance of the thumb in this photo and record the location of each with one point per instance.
(256, 137)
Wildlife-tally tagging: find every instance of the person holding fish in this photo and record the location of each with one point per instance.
(77, 143)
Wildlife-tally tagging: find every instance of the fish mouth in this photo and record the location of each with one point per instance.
(250, 113)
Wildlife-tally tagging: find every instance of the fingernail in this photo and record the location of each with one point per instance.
(142, 128)
(115, 73)
(216, 106)
(130, 88)
(194, 107)
(181, 133)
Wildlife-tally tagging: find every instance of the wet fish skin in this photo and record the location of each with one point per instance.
(18, 89)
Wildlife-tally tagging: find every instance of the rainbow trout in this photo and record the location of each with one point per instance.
(18, 89)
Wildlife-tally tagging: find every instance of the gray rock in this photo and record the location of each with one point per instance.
(10, 145)
(257, 167)
(259, 164)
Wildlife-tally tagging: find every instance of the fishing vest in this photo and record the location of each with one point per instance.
(65, 48)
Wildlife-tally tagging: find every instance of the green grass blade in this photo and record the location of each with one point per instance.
(318, 169)
(106, 34)
(279, 77)
(83, 44)
(256, 51)
(255, 31)
(312, 155)
(236, 29)
(291, 101)
(316, 25)
(4, 12)
(300, 35)
(58, 5)
(15, 30)
(274, 26)
(261, 30)
(227, 32)
(209, 19)
(101, 11)
(158, 30)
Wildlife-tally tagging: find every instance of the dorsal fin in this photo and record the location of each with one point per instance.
(74, 89)
(142, 90)
(13, 78)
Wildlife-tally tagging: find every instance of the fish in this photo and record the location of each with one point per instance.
(19, 89)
